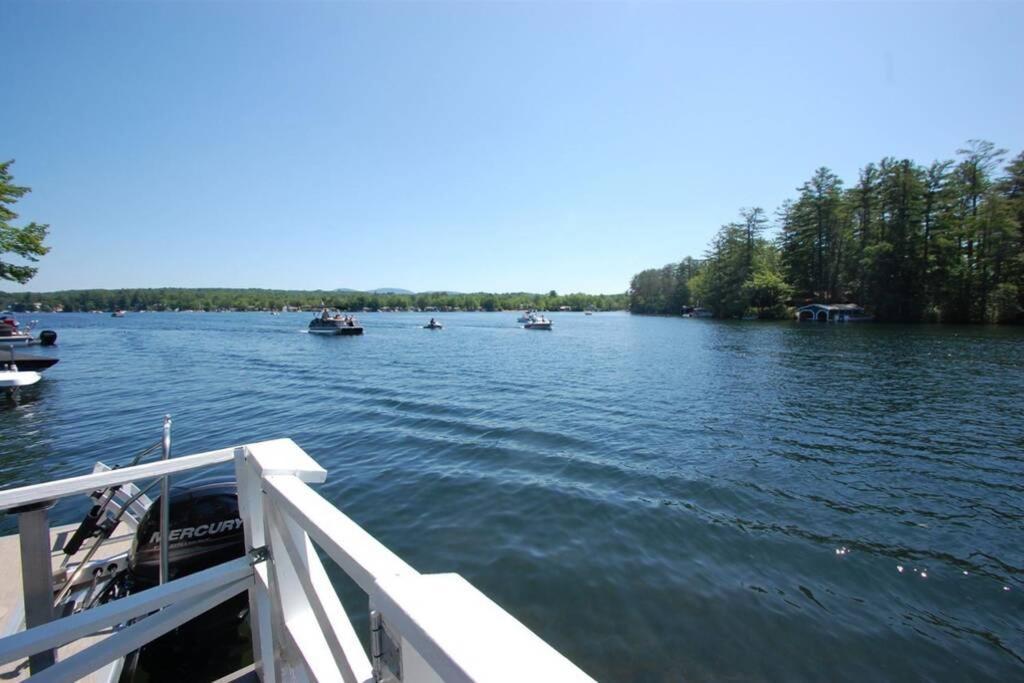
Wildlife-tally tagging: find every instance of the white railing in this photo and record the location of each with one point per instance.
(424, 627)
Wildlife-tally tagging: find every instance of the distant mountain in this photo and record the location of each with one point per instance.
(381, 290)
(396, 290)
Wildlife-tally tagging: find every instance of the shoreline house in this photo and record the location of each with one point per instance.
(832, 313)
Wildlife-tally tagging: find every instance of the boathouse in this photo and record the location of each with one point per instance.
(832, 313)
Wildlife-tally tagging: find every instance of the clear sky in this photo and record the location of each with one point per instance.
(463, 146)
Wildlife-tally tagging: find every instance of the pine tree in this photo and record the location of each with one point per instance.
(25, 242)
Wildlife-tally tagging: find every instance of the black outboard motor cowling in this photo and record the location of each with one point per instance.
(205, 530)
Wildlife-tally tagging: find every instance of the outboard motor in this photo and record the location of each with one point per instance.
(205, 530)
(47, 337)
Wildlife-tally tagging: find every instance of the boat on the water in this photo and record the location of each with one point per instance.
(188, 574)
(15, 374)
(11, 378)
(12, 333)
(538, 322)
(527, 316)
(433, 325)
(334, 323)
(24, 361)
(119, 313)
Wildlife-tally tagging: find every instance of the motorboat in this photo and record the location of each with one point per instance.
(433, 325)
(538, 323)
(186, 576)
(24, 361)
(334, 323)
(13, 379)
(12, 333)
(119, 313)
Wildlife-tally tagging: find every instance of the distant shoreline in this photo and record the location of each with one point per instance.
(267, 300)
(318, 309)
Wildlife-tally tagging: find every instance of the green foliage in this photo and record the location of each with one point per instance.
(767, 291)
(739, 275)
(25, 242)
(662, 290)
(1006, 306)
(267, 299)
(909, 242)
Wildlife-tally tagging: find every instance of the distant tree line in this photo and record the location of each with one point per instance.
(942, 242)
(161, 299)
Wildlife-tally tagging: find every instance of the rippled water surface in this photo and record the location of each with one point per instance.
(659, 498)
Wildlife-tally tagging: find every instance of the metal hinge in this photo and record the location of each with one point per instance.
(385, 652)
(257, 555)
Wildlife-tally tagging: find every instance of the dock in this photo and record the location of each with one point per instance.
(12, 608)
(424, 628)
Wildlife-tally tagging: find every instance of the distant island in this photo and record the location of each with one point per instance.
(942, 242)
(216, 299)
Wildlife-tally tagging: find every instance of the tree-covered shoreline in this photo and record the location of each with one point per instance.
(942, 242)
(225, 299)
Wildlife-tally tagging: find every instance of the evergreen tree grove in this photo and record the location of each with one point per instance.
(943, 242)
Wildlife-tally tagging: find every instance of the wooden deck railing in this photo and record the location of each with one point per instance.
(424, 628)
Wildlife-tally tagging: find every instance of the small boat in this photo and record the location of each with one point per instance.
(538, 323)
(119, 313)
(334, 323)
(526, 317)
(24, 361)
(15, 378)
(10, 333)
(433, 325)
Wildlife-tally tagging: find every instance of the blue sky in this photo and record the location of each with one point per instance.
(464, 146)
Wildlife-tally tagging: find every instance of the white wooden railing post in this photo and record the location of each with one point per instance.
(259, 460)
(312, 611)
(250, 508)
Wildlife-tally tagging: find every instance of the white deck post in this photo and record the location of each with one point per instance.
(252, 463)
(312, 611)
(250, 508)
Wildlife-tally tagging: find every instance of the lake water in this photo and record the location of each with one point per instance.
(658, 498)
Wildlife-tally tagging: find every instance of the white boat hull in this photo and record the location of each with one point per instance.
(18, 340)
(11, 379)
